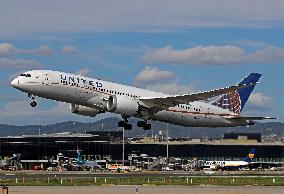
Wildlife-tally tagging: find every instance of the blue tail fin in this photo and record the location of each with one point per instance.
(250, 156)
(78, 155)
(236, 100)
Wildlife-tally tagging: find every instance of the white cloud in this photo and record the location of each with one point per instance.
(71, 50)
(44, 50)
(25, 112)
(19, 63)
(86, 71)
(214, 55)
(58, 112)
(9, 49)
(128, 15)
(259, 101)
(155, 79)
(6, 48)
(152, 74)
(251, 43)
(172, 88)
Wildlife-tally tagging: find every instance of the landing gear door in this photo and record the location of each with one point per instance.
(46, 79)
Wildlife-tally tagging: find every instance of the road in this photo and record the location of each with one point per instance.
(147, 190)
(86, 174)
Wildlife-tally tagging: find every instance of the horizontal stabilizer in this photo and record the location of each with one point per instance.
(253, 118)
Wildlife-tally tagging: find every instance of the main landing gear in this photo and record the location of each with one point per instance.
(125, 124)
(144, 125)
(33, 102)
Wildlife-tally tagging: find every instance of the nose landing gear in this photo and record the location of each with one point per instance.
(33, 103)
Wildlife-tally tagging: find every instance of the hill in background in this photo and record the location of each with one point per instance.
(110, 124)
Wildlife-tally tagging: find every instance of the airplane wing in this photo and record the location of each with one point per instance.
(161, 103)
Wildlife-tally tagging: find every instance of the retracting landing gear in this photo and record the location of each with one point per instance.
(124, 124)
(144, 125)
(33, 102)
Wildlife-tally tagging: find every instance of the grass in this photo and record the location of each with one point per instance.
(147, 180)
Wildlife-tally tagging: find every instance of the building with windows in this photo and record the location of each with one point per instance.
(242, 137)
(265, 152)
(44, 149)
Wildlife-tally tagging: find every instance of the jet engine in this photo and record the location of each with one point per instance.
(250, 122)
(123, 105)
(83, 110)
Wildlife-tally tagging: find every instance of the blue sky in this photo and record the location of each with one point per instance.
(171, 46)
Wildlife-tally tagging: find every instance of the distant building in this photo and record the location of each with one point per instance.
(242, 137)
(265, 152)
(113, 135)
(108, 145)
(46, 147)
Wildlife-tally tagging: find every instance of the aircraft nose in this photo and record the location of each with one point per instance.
(15, 82)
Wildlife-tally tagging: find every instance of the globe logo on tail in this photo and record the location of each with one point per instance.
(231, 101)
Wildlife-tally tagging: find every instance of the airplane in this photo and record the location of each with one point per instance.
(230, 165)
(86, 163)
(89, 97)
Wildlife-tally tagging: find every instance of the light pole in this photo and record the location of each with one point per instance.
(122, 146)
(167, 143)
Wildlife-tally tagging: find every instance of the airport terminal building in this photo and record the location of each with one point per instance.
(108, 146)
(46, 147)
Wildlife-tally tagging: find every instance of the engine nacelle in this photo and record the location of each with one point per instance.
(122, 105)
(83, 110)
(250, 122)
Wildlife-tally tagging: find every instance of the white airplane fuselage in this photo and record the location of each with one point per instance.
(225, 164)
(94, 94)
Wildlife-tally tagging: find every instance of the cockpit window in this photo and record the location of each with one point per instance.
(26, 75)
